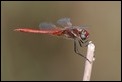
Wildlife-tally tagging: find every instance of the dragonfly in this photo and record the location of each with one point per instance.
(77, 33)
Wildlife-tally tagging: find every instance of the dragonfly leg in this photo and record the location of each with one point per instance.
(77, 52)
(86, 43)
(83, 42)
(80, 43)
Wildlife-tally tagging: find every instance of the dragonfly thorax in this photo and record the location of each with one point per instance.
(71, 33)
(76, 33)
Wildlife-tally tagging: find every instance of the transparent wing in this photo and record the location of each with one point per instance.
(83, 26)
(46, 26)
(64, 22)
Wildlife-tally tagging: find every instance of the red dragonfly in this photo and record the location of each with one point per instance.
(77, 33)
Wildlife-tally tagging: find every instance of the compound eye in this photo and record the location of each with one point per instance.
(83, 35)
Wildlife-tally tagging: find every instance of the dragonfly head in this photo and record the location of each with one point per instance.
(84, 34)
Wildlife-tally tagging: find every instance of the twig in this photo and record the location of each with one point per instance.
(88, 65)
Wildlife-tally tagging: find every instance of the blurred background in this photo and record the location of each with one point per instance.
(27, 56)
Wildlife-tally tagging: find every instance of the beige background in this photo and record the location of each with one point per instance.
(27, 56)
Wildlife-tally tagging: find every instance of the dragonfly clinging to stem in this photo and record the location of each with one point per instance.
(77, 33)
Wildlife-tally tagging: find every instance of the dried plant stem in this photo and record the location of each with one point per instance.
(88, 65)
